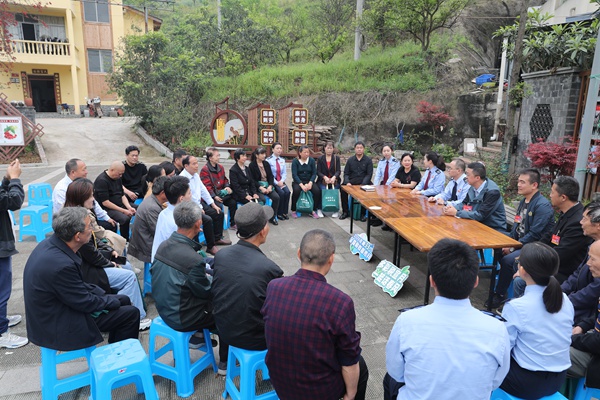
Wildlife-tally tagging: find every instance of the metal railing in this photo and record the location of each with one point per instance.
(35, 47)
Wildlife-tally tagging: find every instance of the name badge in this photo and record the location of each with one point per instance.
(468, 208)
(555, 239)
(518, 219)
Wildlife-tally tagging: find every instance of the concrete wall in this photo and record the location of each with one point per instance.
(560, 92)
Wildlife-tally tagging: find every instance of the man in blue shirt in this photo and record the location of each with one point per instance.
(447, 350)
(456, 190)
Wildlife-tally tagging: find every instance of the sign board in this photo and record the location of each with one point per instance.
(361, 246)
(299, 137)
(267, 137)
(39, 71)
(390, 278)
(11, 129)
(228, 127)
(267, 116)
(299, 116)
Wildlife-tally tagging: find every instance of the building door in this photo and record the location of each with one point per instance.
(28, 31)
(43, 93)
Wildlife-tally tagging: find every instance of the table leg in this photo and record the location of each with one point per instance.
(493, 279)
(427, 287)
(395, 259)
(351, 213)
(369, 227)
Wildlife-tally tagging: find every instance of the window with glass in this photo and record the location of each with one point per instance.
(96, 11)
(99, 60)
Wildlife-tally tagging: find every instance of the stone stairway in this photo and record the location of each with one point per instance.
(492, 151)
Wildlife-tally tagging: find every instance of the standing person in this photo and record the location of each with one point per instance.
(214, 179)
(108, 191)
(261, 173)
(241, 275)
(533, 222)
(358, 171)
(456, 190)
(178, 156)
(329, 169)
(313, 323)
(408, 175)
(12, 196)
(133, 177)
(243, 186)
(448, 349)
(539, 327)
(278, 169)
(387, 168)
(304, 174)
(432, 183)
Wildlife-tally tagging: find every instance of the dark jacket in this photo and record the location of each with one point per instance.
(255, 172)
(214, 178)
(304, 173)
(590, 343)
(95, 256)
(11, 198)
(488, 207)
(358, 172)
(572, 245)
(241, 184)
(180, 286)
(538, 221)
(142, 232)
(583, 291)
(335, 169)
(58, 303)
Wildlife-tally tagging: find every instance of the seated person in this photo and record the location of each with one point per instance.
(245, 189)
(108, 191)
(181, 286)
(278, 168)
(448, 349)
(539, 327)
(148, 180)
(63, 312)
(456, 190)
(304, 174)
(214, 179)
(261, 173)
(387, 168)
(432, 182)
(96, 266)
(178, 156)
(583, 288)
(169, 168)
(329, 170)
(133, 177)
(408, 175)
(146, 216)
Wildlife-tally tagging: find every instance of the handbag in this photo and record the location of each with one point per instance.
(330, 199)
(264, 184)
(305, 203)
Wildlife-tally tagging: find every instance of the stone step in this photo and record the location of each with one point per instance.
(494, 144)
(491, 150)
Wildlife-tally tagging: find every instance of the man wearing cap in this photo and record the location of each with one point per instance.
(241, 275)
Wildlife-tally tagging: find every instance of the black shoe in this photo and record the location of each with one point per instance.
(376, 222)
(281, 218)
(343, 215)
(497, 301)
(274, 221)
(363, 218)
(386, 228)
(285, 216)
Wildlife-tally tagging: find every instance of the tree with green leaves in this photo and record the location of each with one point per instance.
(332, 21)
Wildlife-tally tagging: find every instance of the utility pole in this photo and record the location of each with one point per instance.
(219, 14)
(357, 30)
(500, 89)
(585, 137)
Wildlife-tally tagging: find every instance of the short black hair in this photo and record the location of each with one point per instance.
(71, 165)
(176, 187)
(178, 154)
(533, 174)
(186, 160)
(168, 167)
(453, 265)
(238, 153)
(460, 164)
(478, 169)
(131, 148)
(275, 144)
(567, 186)
(316, 247)
(359, 142)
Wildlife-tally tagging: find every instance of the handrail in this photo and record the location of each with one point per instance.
(38, 47)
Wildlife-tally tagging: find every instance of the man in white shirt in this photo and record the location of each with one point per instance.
(448, 349)
(75, 168)
(202, 196)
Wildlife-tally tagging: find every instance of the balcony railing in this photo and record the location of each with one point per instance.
(34, 47)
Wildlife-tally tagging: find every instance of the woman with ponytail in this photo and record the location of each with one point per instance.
(539, 325)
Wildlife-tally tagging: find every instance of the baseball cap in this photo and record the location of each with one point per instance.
(251, 218)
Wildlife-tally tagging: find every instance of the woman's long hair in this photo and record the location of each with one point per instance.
(541, 262)
(78, 192)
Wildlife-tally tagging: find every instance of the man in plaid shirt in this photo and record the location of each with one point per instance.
(314, 349)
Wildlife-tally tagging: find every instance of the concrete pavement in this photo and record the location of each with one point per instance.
(98, 146)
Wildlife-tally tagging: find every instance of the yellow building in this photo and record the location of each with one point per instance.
(64, 51)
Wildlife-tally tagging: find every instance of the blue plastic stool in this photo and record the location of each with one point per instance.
(39, 194)
(37, 226)
(250, 361)
(201, 238)
(184, 372)
(500, 394)
(585, 393)
(51, 385)
(119, 364)
(147, 280)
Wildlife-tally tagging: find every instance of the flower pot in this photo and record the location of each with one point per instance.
(28, 101)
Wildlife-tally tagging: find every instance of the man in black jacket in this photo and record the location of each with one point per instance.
(11, 198)
(358, 171)
(63, 312)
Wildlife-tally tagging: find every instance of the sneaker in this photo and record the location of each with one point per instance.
(145, 324)
(222, 368)
(12, 341)
(294, 214)
(13, 319)
(320, 213)
(197, 341)
(335, 215)
(315, 215)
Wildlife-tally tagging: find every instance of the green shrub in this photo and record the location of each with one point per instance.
(446, 151)
(197, 143)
